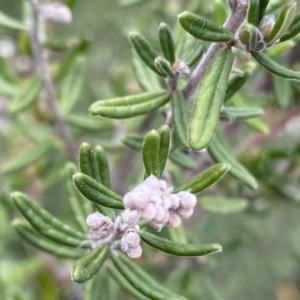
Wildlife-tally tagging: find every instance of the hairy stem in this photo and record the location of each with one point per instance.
(235, 20)
(42, 65)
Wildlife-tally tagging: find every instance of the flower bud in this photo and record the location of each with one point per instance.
(131, 217)
(135, 252)
(174, 220)
(149, 212)
(55, 12)
(96, 220)
(187, 199)
(185, 212)
(131, 238)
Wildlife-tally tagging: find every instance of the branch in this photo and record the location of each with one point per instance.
(235, 20)
(42, 65)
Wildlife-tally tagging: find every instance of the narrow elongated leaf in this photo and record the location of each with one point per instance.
(195, 56)
(178, 249)
(67, 64)
(26, 95)
(141, 281)
(282, 91)
(164, 146)
(7, 72)
(45, 223)
(223, 205)
(282, 23)
(148, 81)
(10, 23)
(42, 243)
(274, 67)
(180, 117)
(204, 29)
(97, 192)
(166, 42)
(87, 162)
(293, 30)
(87, 266)
(79, 206)
(72, 84)
(87, 123)
(241, 113)
(151, 153)
(256, 11)
(219, 153)
(133, 141)
(204, 180)
(119, 278)
(209, 99)
(128, 107)
(103, 167)
(235, 84)
(27, 158)
(144, 50)
(182, 160)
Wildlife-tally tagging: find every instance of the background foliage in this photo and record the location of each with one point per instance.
(261, 256)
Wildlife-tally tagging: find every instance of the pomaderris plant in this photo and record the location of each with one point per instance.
(189, 88)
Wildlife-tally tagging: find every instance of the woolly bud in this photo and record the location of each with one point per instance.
(55, 12)
(175, 200)
(187, 200)
(97, 220)
(149, 212)
(161, 214)
(135, 200)
(153, 183)
(174, 220)
(166, 202)
(185, 212)
(131, 217)
(131, 238)
(135, 252)
(99, 234)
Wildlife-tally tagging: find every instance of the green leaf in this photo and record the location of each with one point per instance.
(71, 3)
(27, 158)
(282, 91)
(220, 153)
(7, 72)
(256, 11)
(45, 223)
(235, 84)
(97, 192)
(144, 50)
(133, 141)
(164, 146)
(79, 206)
(240, 113)
(119, 278)
(180, 117)
(87, 266)
(274, 67)
(130, 106)
(223, 205)
(86, 123)
(72, 84)
(282, 23)
(182, 160)
(204, 29)
(151, 153)
(141, 281)
(209, 99)
(166, 42)
(204, 180)
(10, 23)
(67, 64)
(164, 67)
(178, 249)
(293, 30)
(42, 243)
(26, 95)
(257, 125)
(148, 81)
(103, 167)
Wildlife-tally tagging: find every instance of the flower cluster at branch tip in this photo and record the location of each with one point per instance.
(55, 12)
(152, 201)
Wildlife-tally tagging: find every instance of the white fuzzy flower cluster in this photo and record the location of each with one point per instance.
(155, 203)
(55, 12)
(103, 230)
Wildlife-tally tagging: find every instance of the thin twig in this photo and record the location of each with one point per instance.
(235, 20)
(42, 65)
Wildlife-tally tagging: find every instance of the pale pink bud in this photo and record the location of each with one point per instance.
(99, 234)
(160, 213)
(153, 183)
(96, 220)
(185, 212)
(55, 12)
(166, 202)
(135, 200)
(187, 199)
(175, 200)
(174, 220)
(135, 252)
(149, 212)
(131, 217)
(131, 238)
